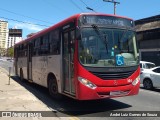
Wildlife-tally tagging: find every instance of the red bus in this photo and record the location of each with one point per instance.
(87, 56)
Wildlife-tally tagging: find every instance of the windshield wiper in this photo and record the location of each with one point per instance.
(120, 40)
(104, 39)
(124, 33)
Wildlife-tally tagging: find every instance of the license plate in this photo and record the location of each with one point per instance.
(117, 93)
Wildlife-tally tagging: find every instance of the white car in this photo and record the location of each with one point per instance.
(150, 78)
(1, 59)
(146, 65)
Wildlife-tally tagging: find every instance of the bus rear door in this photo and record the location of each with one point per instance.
(29, 62)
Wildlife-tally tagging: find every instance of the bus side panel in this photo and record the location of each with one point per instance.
(42, 66)
(37, 69)
(22, 63)
(54, 66)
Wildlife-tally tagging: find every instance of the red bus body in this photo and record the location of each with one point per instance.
(105, 88)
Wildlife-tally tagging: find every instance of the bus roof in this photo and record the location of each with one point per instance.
(76, 16)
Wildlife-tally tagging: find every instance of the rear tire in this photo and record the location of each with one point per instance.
(53, 88)
(147, 83)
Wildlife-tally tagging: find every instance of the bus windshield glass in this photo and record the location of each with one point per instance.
(103, 47)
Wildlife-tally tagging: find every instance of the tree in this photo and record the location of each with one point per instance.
(10, 52)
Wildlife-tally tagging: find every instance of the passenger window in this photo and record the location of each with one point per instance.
(44, 45)
(54, 42)
(36, 50)
(25, 50)
(22, 50)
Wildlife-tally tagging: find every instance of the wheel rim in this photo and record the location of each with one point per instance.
(147, 84)
(53, 87)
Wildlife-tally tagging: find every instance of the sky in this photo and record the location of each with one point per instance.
(35, 15)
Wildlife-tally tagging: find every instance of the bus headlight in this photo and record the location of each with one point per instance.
(87, 83)
(136, 81)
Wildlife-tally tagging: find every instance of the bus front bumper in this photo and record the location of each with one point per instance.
(86, 93)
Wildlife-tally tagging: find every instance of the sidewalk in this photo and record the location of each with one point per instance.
(15, 97)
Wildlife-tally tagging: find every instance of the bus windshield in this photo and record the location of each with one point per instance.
(103, 47)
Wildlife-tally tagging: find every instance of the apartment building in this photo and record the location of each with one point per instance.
(3, 36)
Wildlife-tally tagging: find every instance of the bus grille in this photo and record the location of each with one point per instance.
(113, 75)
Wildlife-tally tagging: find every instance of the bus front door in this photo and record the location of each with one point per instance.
(68, 64)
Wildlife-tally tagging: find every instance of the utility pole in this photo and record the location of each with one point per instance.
(114, 2)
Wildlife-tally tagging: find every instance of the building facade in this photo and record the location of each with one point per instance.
(3, 36)
(148, 35)
(15, 36)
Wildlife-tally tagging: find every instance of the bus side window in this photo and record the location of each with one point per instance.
(54, 42)
(16, 52)
(36, 50)
(44, 44)
(21, 50)
(25, 50)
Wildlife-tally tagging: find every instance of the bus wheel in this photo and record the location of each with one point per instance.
(53, 88)
(21, 75)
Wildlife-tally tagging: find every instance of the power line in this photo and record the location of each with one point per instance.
(24, 16)
(76, 6)
(98, 6)
(87, 7)
(23, 22)
(55, 5)
(114, 2)
(84, 3)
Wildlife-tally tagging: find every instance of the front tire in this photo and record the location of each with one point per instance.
(147, 83)
(53, 88)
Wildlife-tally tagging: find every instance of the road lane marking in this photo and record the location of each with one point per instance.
(73, 118)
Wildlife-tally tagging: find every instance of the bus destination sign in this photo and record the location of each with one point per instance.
(106, 20)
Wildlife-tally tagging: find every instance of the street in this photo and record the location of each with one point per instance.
(146, 100)
(6, 64)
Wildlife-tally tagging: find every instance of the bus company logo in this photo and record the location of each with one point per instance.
(115, 82)
(129, 80)
(6, 114)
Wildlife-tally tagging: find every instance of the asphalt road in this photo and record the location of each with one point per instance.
(6, 64)
(146, 100)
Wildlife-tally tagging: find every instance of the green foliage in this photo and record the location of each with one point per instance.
(10, 52)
